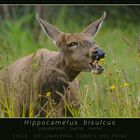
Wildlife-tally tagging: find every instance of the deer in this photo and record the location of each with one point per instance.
(31, 77)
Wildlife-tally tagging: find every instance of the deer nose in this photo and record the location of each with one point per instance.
(98, 54)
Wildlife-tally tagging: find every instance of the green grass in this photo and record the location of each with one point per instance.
(98, 97)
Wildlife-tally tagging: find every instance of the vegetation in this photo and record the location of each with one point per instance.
(114, 93)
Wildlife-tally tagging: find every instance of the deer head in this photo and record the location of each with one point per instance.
(78, 50)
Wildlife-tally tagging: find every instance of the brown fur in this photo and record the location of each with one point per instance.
(54, 72)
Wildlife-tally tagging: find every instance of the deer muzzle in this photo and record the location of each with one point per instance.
(96, 68)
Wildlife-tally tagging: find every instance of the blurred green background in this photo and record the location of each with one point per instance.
(20, 35)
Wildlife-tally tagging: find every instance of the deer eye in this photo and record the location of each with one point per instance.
(73, 44)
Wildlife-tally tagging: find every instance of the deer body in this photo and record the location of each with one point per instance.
(46, 71)
(49, 77)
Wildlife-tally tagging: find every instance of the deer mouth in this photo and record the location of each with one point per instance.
(96, 68)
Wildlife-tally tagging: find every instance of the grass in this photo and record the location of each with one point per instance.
(114, 93)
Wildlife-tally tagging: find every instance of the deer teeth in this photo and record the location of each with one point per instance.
(95, 62)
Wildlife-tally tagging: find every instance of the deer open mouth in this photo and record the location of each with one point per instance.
(96, 68)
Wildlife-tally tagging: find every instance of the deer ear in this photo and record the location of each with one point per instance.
(51, 31)
(93, 28)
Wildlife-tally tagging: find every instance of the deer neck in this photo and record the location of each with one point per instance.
(69, 73)
(58, 76)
